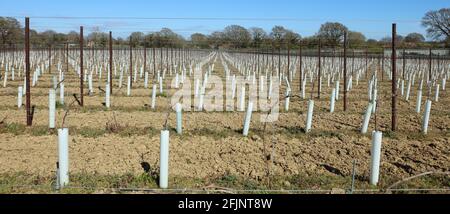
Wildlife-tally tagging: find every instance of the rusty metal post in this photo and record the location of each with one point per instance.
(131, 64)
(167, 60)
(50, 59)
(154, 62)
(438, 61)
(266, 62)
(345, 72)
(145, 59)
(171, 57)
(110, 63)
(14, 52)
(367, 69)
(429, 66)
(300, 62)
(403, 64)
(93, 53)
(273, 62)
(161, 60)
(394, 79)
(81, 67)
(382, 66)
(353, 63)
(67, 57)
(279, 60)
(27, 70)
(257, 61)
(318, 77)
(289, 62)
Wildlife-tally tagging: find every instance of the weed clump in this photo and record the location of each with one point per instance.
(13, 128)
(112, 126)
(115, 127)
(161, 94)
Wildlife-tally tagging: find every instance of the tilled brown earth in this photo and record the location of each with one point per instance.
(212, 143)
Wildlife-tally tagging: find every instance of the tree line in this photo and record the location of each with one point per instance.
(330, 34)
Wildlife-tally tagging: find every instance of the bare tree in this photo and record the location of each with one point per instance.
(216, 39)
(283, 36)
(137, 38)
(291, 37)
(332, 33)
(437, 24)
(278, 34)
(73, 37)
(258, 36)
(414, 38)
(10, 31)
(387, 40)
(199, 40)
(167, 38)
(356, 39)
(237, 36)
(98, 38)
(49, 37)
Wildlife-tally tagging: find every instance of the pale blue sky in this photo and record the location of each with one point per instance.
(373, 18)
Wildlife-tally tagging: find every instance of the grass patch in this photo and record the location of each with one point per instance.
(426, 182)
(115, 127)
(128, 131)
(390, 134)
(294, 132)
(13, 128)
(40, 131)
(22, 182)
(324, 133)
(161, 94)
(418, 136)
(214, 133)
(318, 182)
(227, 180)
(90, 132)
(20, 129)
(59, 105)
(299, 132)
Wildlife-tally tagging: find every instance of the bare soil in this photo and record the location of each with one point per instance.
(212, 143)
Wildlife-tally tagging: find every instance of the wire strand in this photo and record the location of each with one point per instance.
(215, 19)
